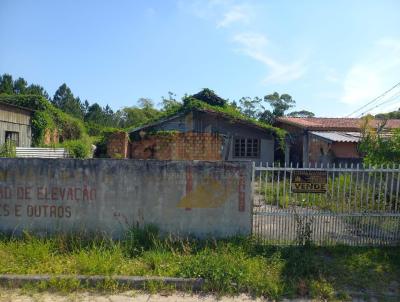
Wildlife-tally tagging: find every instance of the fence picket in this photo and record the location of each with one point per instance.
(359, 206)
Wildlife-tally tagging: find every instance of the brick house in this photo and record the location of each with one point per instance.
(200, 134)
(326, 140)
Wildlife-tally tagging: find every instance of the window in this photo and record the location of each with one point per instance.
(13, 136)
(247, 147)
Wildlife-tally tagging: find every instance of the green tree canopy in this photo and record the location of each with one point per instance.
(20, 86)
(379, 149)
(389, 115)
(34, 89)
(170, 104)
(139, 115)
(250, 106)
(65, 100)
(6, 84)
(102, 116)
(301, 113)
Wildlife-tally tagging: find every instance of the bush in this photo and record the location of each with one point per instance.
(78, 148)
(101, 144)
(8, 149)
(377, 147)
(41, 121)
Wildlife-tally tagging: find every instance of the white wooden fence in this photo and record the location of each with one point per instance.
(358, 206)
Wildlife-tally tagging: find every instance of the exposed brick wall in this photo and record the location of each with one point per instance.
(178, 146)
(51, 137)
(117, 145)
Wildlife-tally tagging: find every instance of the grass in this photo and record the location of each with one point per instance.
(229, 266)
(343, 194)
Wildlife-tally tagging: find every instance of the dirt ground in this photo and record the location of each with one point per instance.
(21, 296)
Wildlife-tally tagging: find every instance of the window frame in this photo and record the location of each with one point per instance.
(246, 145)
(10, 137)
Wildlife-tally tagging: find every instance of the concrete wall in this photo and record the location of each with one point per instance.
(186, 197)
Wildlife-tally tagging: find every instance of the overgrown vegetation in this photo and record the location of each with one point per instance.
(378, 146)
(46, 117)
(76, 119)
(8, 149)
(229, 266)
(389, 115)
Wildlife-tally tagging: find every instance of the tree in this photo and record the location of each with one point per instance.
(65, 100)
(6, 84)
(85, 107)
(20, 86)
(389, 115)
(170, 104)
(379, 149)
(210, 97)
(250, 106)
(37, 90)
(301, 113)
(94, 114)
(137, 116)
(101, 116)
(279, 104)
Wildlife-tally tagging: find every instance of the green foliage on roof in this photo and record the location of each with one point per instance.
(33, 102)
(47, 116)
(191, 103)
(209, 97)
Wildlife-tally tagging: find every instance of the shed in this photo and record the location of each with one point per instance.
(15, 124)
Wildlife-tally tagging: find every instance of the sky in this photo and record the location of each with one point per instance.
(332, 57)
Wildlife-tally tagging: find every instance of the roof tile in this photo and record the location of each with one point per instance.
(344, 124)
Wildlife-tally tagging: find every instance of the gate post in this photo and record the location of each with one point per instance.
(253, 180)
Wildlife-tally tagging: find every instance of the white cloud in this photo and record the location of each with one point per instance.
(373, 74)
(226, 13)
(332, 76)
(237, 13)
(255, 45)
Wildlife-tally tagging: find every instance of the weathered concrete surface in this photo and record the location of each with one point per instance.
(104, 195)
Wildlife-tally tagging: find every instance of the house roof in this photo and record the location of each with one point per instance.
(336, 136)
(335, 124)
(16, 106)
(157, 122)
(209, 111)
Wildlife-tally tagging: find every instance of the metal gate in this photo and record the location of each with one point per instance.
(327, 205)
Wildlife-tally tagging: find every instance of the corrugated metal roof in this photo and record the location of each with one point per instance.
(335, 136)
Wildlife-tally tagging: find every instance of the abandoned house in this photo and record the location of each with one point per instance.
(15, 124)
(198, 134)
(313, 141)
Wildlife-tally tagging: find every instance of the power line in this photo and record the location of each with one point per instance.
(375, 99)
(390, 100)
